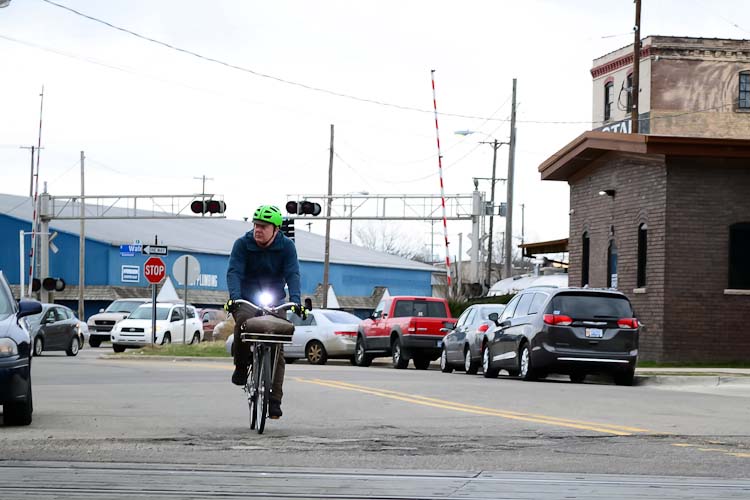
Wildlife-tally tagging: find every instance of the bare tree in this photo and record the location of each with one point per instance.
(391, 239)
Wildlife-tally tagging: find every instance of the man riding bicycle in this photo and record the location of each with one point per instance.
(262, 262)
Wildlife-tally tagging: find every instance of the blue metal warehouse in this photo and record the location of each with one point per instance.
(358, 276)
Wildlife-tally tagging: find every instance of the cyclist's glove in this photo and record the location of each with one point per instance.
(230, 306)
(300, 311)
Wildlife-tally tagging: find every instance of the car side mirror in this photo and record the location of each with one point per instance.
(205, 320)
(446, 330)
(493, 317)
(101, 310)
(385, 315)
(28, 308)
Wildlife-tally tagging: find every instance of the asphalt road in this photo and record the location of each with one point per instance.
(180, 427)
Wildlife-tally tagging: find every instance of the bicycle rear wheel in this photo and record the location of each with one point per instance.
(264, 389)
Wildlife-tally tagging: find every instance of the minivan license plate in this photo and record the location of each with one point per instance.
(440, 343)
(594, 333)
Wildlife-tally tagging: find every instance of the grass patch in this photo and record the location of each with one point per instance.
(202, 350)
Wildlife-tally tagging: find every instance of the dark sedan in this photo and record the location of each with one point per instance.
(55, 328)
(15, 357)
(574, 331)
(462, 347)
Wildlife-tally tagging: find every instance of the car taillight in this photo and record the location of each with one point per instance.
(557, 319)
(412, 326)
(346, 334)
(483, 328)
(627, 323)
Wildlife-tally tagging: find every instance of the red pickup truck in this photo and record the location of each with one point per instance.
(404, 328)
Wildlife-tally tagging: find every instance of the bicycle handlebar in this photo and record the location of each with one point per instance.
(267, 309)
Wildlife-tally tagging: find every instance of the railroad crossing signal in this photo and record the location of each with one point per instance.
(154, 270)
(208, 207)
(303, 207)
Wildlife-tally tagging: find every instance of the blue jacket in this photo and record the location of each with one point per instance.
(253, 269)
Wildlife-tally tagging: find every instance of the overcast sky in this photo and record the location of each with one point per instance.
(150, 118)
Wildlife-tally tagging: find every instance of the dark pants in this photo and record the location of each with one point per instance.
(242, 357)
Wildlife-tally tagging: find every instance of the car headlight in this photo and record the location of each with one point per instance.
(8, 348)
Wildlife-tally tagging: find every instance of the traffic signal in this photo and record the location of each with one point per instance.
(287, 228)
(52, 284)
(303, 207)
(208, 207)
(36, 285)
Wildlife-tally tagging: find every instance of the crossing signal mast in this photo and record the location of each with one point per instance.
(210, 207)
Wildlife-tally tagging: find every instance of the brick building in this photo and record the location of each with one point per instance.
(666, 220)
(688, 87)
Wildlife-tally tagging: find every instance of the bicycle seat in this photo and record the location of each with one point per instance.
(267, 329)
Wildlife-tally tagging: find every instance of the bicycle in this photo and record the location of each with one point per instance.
(266, 332)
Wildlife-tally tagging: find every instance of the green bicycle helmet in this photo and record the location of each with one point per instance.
(268, 214)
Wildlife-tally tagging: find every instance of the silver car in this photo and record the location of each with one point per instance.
(324, 335)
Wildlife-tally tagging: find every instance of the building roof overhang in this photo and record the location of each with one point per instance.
(591, 145)
(541, 247)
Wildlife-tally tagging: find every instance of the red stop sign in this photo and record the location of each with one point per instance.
(154, 270)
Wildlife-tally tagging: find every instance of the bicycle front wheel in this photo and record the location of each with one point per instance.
(264, 390)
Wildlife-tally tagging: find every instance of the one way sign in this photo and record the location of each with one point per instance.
(154, 250)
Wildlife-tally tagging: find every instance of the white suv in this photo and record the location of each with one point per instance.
(171, 326)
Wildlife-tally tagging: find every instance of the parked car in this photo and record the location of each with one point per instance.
(575, 331)
(224, 329)
(15, 357)
(135, 331)
(325, 334)
(404, 328)
(210, 318)
(462, 346)
(101, 324)
(56, 328)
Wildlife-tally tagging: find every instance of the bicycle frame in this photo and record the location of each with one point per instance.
(266, 338)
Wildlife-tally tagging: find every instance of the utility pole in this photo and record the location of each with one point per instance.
(82, 250)
(509, 207)
(495, 145)
(635, 89)
(328, 225)
(459, 277)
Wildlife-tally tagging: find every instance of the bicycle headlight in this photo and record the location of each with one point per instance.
(265, 299)
(8, 348)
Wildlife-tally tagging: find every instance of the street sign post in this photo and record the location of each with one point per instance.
(186, 269)
(154, 271)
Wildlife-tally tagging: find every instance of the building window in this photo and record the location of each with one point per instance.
(739, 256)
(629, 93)
(585, 263)
(608, 99)
(744, 100)
(642, 251)
(612, 265)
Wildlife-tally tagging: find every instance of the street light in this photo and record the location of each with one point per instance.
(495, 145)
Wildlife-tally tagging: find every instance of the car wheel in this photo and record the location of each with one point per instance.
(399, 360)
(167, 339)
(38, 346)
(470, 367)
(525, 370)
(73, 347)
(360, 355)
(118, 348)
(19, 412)
(625, 377)
(196, 338)
(444, 366)
(95, 342)
(577, 378)
(487, 369)
(421, 363)
(316, 353)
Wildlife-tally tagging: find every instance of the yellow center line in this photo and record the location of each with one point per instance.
(715, 450)
(478, 410)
